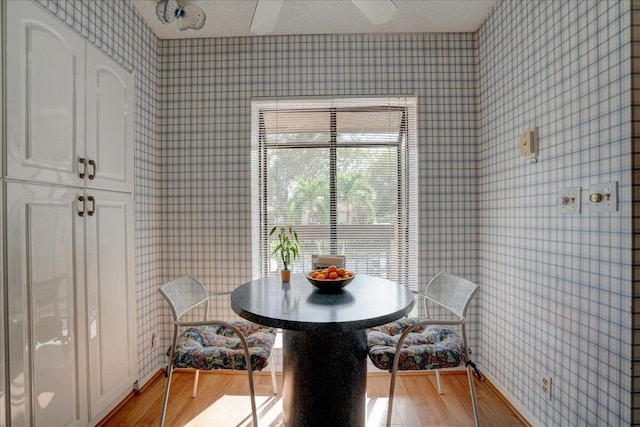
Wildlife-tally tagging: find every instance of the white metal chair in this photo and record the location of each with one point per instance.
(319, 262)
(422, 343)
(212, 344)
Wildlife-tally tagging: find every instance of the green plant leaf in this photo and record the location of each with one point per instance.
(287, 247)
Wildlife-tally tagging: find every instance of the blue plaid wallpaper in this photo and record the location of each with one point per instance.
(116, 27)
(635, 162)
(556, 289)
(206, 88)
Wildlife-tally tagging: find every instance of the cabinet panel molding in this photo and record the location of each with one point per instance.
(45, 72)
(3, 286)
(47, 366)
(110, 122)
(110, 298)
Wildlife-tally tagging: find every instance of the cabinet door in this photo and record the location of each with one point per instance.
(45, 278)
(3, 395)
(45, 72)
(111, 310)
(109, 123)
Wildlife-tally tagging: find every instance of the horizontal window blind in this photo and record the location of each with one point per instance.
(343, 172)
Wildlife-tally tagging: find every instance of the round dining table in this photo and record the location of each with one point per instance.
(324, 341)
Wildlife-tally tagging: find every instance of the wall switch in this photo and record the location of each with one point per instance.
(568, 200)
(603, 197)
(528, 144)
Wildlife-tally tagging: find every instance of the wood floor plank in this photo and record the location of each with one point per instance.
(223, 401)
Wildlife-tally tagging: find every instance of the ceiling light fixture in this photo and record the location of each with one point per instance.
(265, 15)
(186, 15)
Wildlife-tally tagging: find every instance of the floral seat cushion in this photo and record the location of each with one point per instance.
(218, 347)
(428, 347)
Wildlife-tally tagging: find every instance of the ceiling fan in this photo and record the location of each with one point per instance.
(265, 15)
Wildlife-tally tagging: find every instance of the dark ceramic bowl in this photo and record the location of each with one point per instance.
(330, 285)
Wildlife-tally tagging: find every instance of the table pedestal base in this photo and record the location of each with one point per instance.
(325, 379)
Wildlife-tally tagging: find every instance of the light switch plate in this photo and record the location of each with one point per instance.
(568, 200)
(603, 197)
(528, 144)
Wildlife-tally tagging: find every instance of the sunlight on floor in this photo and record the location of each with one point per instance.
(377, 411)
(269, 412)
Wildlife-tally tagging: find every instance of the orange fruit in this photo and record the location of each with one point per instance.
(320, 276)
(332, 268)
(314, 274)
(333, 275)
(341, 272)
(348, 274)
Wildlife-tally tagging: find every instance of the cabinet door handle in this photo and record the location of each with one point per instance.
(82, 205)
(83, 163)
(92, 163)
(92, 209)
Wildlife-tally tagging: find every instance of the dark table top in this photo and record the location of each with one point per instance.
(367, 301)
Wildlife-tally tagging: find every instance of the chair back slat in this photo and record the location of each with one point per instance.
(451, 292)
(183, 294)
(319, 262)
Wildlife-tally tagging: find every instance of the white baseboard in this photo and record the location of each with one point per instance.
(143, 381)
(512, 400)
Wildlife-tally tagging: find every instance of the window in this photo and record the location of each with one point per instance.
(343, 172)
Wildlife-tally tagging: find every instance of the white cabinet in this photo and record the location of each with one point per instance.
(47, 362)
(109, 147)
(3, 285)
(45, 71)
(110, 297)
(69, 237)
(56, 131)
(71, 300)
(3, 394)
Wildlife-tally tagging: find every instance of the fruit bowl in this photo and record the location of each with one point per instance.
(330, 285)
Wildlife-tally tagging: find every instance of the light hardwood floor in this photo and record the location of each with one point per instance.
(223, 401)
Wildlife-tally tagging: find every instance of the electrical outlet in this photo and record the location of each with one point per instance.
(153, 340)
(546, 387)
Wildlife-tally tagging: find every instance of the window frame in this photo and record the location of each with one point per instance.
(407, 170)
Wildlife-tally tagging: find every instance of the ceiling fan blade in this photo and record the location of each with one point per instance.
(265, 16)
(376, 11)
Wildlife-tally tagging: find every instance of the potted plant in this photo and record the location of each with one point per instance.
(287, 248)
